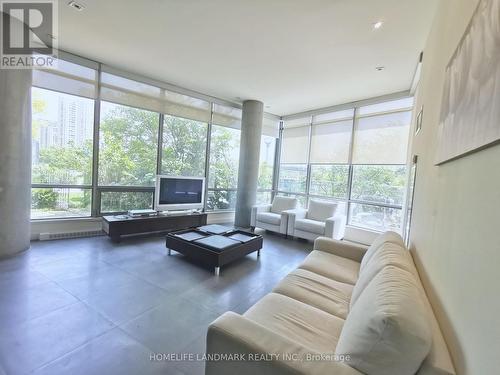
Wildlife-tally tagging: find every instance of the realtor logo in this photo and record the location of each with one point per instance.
(29, 34)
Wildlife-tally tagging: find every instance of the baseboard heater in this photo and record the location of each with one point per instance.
(63, 235)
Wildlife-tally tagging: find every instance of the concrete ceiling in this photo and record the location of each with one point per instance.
(294, 55)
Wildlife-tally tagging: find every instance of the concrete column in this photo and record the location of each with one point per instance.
(15, 160)
(251, 130)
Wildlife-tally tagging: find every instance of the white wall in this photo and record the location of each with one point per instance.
(455, 235)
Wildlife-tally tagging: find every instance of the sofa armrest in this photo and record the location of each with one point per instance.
(257, 350)
(335, 227)
(255, 210)
(297, 213)
(341, 248)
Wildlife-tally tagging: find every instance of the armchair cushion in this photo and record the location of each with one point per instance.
(269, 217)
(312, 226)
(281, 204)
(321, 210)
(255, 210)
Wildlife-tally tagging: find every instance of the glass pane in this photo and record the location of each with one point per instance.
(301, 198)
(266, 163)
(128, 146)
(60, 203)
(393, 105)
(184, 147)
(295, 145)
(62, 133)
(379, 183)
(329, 180)
(122, 201)
(331, 142)
(382, 139)
(263, 197)
(221, 200)
(375, 217)
(293, 178)
(224, 157)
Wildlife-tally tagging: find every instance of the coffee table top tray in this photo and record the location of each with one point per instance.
(212, 249)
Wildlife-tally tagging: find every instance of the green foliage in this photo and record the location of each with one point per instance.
(128, 137)
(44, 199)
(382, 184)
(65, 165)
(184, 147)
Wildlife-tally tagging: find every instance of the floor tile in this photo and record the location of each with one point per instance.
(101, 281)
(112, 353)
(171, 326)
(68, 268)
(197, 348)
(18, 305)
(27, 346)
(126, 301)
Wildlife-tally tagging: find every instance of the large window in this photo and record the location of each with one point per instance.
(355, 156)
(62, 136)
(184, 147)
(128, 146)
(223, 174)
(88, 162)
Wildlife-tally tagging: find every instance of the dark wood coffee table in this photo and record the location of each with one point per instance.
(214, 250)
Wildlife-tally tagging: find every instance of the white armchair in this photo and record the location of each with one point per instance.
(321, 219)
(272, 216)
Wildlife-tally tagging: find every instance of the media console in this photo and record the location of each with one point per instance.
(121, 225)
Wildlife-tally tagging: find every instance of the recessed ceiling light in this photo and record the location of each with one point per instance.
(73, 4)
(380, 68)
(377, 25)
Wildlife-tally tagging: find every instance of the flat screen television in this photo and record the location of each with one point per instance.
(179, 193)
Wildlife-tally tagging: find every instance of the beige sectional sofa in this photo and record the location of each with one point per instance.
(346, 309)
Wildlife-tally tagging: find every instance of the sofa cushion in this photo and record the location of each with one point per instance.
(321, 210)
(315, 290)
(312, 226)
(332, 266)
(388, 254)
(301, 323)
(388, 330)
(269, 218)
(391, 237)
(281, 204)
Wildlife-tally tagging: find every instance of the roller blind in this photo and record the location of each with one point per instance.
(270, 126)
(382, 139)
(125, 91)
(331, 142)
(333, 116)
(68, 78)
(295, 145)
(227, 116)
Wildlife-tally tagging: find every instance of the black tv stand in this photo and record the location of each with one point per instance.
(120, 225)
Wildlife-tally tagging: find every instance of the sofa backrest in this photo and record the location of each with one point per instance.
(281, 204)
(388, 250)
(387, 237)
(387, 254)
(388, 331)
(321, 210)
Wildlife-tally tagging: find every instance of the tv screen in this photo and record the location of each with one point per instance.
(180, 191)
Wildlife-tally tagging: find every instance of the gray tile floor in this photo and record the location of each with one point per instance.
(90, 306)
